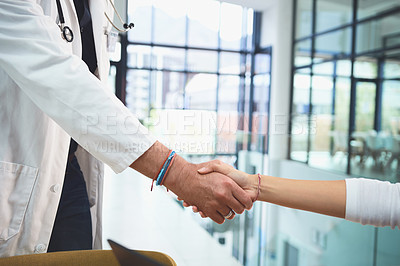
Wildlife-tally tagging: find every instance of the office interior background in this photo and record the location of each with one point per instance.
(302, 89)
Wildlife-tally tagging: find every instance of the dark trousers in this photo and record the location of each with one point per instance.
(72, 228)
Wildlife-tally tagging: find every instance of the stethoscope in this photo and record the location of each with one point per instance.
(68, 35)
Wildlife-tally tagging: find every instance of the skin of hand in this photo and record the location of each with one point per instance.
(247, 182)
(326, 197)
(213, 193)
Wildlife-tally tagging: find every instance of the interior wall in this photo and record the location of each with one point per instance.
(276, 31)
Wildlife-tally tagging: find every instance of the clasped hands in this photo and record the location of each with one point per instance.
(227, 191)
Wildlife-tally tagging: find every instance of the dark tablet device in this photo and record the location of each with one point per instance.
(128, 257)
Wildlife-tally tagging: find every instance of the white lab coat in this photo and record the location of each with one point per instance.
(47, 94)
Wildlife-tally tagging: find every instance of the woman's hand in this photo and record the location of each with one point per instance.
(249, 183)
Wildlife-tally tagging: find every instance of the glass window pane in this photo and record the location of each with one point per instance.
(202, 61)
(139, 11)
(243, 107)
(391, 107)
(342, 105)
(365, 106)
(391, 69)
(299, 118)
(343, 68)
(186, 131)
(303, 18)
(333, 44)
(262, 64)
(137, 92)
(168, 58)
(340, 130)
(301, 92)
(203, 23)
(228, 94)
(374, 7)
(250, 17)
(231, 26)
(200, 91)
(228, 99)
(366, 144)
(139, 56)
(302, 52)
(365, 68)
(324, 68)
(229, 63)
(167, 89)
(170, 22)
(378, 34)
(391, 128)
(260, 113)
(321, 145)
(332, 14)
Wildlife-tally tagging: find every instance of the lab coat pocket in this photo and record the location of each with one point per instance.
(16, 186)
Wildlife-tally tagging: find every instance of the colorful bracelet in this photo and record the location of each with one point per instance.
(259, 184)
(155, 177)
(164, 170)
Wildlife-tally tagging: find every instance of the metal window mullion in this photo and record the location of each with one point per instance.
(294, 15)
(333, 109)
(379, 96)
(310, 99)
(353, 91)
(251, 99)
(364, 20)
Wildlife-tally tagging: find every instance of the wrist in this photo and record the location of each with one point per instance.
(253, 184)
(176, 177)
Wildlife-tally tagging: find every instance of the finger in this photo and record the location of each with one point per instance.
(195, 209)
(205, 170)
(228, 212)
(242, 197)
(180, 199)
(236, 205)
(214, 166)
(185, 204)
(216, 217)
(202, 214)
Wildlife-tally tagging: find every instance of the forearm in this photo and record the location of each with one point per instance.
(325, 197)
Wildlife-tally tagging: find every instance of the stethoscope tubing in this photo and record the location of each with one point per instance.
(67, 33)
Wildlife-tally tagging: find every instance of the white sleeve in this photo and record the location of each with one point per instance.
(373, 202)
(34, 55)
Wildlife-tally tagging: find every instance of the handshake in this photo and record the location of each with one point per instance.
(227, 191)
(217, 190)
(214, 189)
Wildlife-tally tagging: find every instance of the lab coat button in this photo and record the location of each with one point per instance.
(41, 248)
(55, 188)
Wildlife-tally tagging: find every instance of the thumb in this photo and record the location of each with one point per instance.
(215, 166)
(205, 170)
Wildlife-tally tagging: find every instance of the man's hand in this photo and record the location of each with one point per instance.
(214, 194)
